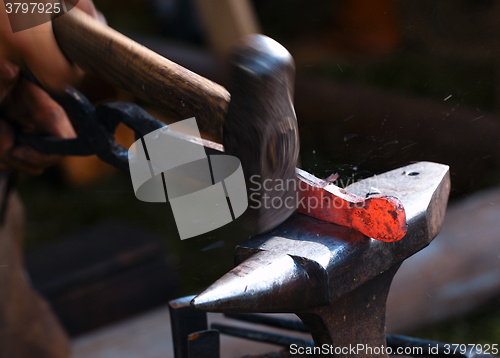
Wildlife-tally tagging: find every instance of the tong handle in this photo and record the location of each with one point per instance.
(97, 48)
(54, 145)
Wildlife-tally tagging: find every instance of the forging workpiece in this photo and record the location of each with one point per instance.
(334, 278)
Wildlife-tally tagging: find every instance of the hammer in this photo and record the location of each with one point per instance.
(259, 125)
(256, 123)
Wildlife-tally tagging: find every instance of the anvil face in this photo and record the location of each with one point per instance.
(307, 263)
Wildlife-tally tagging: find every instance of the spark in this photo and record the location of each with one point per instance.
(475, 119)
(447, 98)
(408, 146)
(340, 68)
(332, 178)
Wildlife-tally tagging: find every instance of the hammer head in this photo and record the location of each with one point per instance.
(261, 129)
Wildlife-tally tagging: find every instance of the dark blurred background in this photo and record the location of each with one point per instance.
(380, 84)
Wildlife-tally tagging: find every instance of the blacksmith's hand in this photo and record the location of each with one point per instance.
(24, 105)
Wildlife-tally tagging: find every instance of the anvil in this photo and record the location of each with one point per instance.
(334, 278)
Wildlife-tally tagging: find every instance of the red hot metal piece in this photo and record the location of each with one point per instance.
(379, 217)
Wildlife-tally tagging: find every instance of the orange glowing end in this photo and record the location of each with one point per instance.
(378, 217)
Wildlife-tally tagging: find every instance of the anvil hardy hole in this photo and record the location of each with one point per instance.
(412, 174)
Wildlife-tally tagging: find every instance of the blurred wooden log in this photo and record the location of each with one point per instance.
(378, 130)
(458, 272)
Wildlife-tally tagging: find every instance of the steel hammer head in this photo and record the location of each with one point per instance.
(261, 129)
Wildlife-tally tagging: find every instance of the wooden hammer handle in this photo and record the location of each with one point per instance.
(121, 61)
